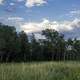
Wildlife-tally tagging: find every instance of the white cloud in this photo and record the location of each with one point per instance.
(16, 18)
(29, 27)
(72, 14)
(31, 3)
(69, 28)
(61, 27)
(12, 21)
(75, 12)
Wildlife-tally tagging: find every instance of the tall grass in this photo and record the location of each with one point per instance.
(40, 71)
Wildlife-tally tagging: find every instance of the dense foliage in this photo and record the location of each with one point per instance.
(17, 47)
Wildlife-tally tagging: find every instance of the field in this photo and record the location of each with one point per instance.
(40, 71)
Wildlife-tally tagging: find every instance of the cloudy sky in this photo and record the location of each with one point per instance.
(36, 15)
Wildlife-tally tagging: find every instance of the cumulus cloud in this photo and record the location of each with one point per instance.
(29, 27)
(31, 3)
(59, 26)
(70, 29)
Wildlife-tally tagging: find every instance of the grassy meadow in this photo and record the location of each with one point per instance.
(40, 71)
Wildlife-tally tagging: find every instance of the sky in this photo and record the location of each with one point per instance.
(36, 15)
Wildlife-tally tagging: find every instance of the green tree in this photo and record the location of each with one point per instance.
(55, 43)
(7, 41)
(36, 53)
(76, 49)
(24, 46)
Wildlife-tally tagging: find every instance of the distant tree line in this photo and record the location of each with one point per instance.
(17, 47)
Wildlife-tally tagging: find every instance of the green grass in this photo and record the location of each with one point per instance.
(40, 71)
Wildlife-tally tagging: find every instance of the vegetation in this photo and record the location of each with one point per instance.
(40, 71)
(16, 46)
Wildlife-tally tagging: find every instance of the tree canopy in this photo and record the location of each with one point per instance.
(16, 47)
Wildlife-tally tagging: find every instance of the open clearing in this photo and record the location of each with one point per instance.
(40, 71)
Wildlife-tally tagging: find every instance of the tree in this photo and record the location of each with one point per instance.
(16, 47)
(36, 53)
(76, 49)
(56, 43)
(7, 41)
(24, 46)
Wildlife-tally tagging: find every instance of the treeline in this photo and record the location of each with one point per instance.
(17, 47)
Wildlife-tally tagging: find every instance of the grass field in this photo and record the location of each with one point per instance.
(40, 71)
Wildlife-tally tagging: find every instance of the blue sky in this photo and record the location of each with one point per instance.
(52, 9)
(29, 15)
